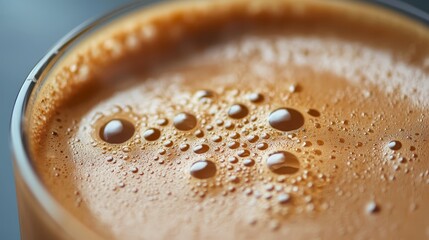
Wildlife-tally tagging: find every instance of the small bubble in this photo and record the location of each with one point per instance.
(255, 97)
(201, 94)
(152, 134)
(201, 148)
(286, 119)
(232, 159)
(248, 191)
(265, 136)
(248, 162)
(229, 125)
(372, 207)
(168, 143)
(252, 138)
(283, 162)
(199, 134)
(126, 149)
(243, 153)
(262, 146)
(313, 112)
(238, 111)
(162, 122)
(394, 145)
(117, 131)
(283, 198)
(184, 121)
(184, 147)
(234, 135)
(219, 122)
(269, 187)
(216, 138)
(234, 179)
(294, 88)
(233, 145)
(203, 169)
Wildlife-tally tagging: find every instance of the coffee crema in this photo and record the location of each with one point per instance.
(241, 120)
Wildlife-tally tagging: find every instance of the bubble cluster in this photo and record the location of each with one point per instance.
(272, 137)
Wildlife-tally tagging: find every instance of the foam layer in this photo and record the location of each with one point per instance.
(220, 178)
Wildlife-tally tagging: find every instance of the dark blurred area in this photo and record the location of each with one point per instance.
(28, 29)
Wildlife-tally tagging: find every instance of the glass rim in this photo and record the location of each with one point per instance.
(21, 157)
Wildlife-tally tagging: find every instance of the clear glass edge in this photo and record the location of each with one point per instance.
(21, 158)
(22, 161)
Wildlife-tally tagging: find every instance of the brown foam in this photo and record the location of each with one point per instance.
(326, 58)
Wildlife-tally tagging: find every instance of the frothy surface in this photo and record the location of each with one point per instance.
(316, 128)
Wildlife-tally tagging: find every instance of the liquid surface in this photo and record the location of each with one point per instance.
(243, 120)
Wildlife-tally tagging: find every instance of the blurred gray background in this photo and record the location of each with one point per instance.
(28, 28)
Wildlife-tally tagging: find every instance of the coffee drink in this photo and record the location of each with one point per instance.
(242, 120)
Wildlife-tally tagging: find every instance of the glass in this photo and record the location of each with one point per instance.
(41, 216)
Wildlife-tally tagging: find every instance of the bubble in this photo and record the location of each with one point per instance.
(234, 179)
(252, 138)
(201, 94)
(262, 146)
(248, 162)
(243, 153)
(286, 119)
(117, 131)
(255, 97)
(203, 169)
(151, 134)
(229, 125)
(394, 145)
(283, 198)
(168, 143)
(216, 138)
(313, 112)
(232, 159)
(283, 162)
(238, 111)
(162, 122)
(265, 136)
(294, 88)
(233, 145)
(184, 147)
(184, 121)
(201, 148)
(372, 207)
(234, 135)
(199, 134)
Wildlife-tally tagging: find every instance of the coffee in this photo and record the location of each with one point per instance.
(241, 119)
